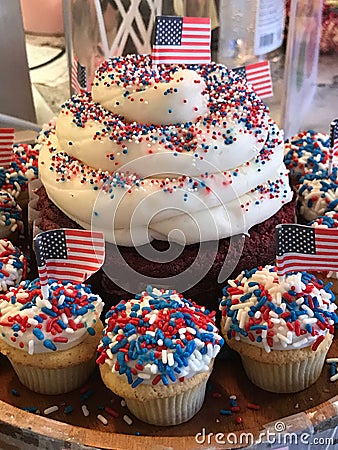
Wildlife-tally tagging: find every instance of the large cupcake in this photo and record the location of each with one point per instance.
(51, 343)
(185, 155)
(157, 351)
(281, 327)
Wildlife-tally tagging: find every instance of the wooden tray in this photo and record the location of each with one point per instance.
(312, 410)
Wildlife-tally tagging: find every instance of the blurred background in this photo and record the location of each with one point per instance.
(40, 39)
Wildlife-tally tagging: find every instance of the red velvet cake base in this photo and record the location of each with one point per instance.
(116, 281)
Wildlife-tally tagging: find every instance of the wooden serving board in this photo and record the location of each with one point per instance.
(313, 409)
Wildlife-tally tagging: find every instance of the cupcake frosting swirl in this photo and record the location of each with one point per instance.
(193, 138)
(278, 314)
(159, 337)
(37, 325)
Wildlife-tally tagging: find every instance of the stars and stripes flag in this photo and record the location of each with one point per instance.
(259, 75)
(301, 247)
(6, 146)
(79, 76)
(67, 254)
(182, 40)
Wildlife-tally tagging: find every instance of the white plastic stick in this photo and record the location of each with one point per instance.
(20, 123)
(102, 28)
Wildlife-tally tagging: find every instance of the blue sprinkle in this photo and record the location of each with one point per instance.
(49, 344)
(38, 334)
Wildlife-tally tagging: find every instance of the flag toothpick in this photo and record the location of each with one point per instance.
(333, 143)
(305, 248)
(6, 146)
(79, 76)
(259, 75)
(68, 254)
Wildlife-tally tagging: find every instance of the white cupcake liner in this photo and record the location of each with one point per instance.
(53, 381)
(169, 410)
(284, 378)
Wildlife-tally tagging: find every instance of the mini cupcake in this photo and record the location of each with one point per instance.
(281, 327)
(52, 342)
(307, 152)
(13, 265)
(157, 351)
(318, 194)
(22, 169)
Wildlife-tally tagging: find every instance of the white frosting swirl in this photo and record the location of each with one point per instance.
(189, 148)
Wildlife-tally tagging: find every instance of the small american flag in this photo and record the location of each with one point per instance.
(79, 77)
(6, 146)
(66, 254)
(334, 137)
(259, 75)
(182, 40)
(301, 247)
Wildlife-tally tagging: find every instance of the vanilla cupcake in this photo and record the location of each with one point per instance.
(307, 152)
(318, 194)
(13, 265)
(281, 327)
(157, 351)
(51, 343)
(22, 169)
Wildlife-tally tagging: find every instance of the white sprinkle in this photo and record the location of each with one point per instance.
(127, 419)
(160, 342)
(283, 338)
(152, 318)
(334, 377)
(132, 337)
(191, 330)
(241, 305)
(233, 397)
(144, 376)
(64, 318)
(170, 358)
(273, 320)
(300, 343)
(310, 320)
(154, 369)
(85, 410)
(308, 310)
(32, 321)
(182, 330)
(31, 347)
(331, 360)
(51, 410)
(210, 350)
(148, 332)
(61, 299)
(123, 403)
(102, 419)
(164, 356)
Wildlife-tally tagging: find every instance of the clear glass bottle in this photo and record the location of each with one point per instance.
(249, 30)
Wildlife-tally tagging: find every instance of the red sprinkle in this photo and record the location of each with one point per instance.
(253, 406)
